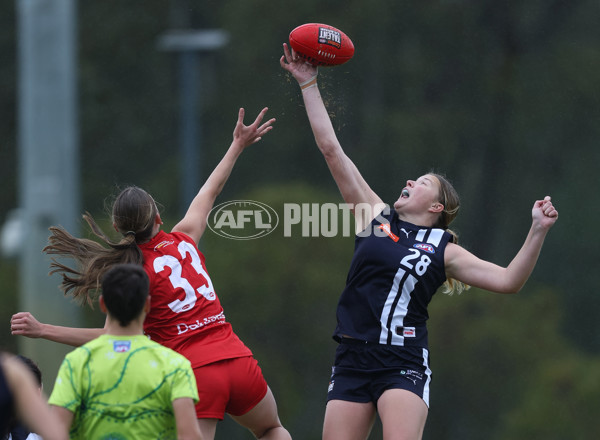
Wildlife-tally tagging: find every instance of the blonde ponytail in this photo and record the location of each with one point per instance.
(451, 285)
(449, 198)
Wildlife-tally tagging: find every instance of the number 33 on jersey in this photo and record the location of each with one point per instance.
(177, 279)
(185, 312)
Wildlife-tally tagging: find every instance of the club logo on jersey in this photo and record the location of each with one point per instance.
(242, 219)
(330, 37)
(121, 346)
(162, 244)
(386, 228)
(425, 247)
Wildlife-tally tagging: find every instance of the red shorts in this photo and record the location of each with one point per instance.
(232, 386)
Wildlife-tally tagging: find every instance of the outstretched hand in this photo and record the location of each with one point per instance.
(24, 324)
(250, 134)
(301, 70)
(544, 213)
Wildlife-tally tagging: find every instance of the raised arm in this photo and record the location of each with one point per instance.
(31, 406)
(350, 182)
(466, 267)
(25, 324)
(194, 221)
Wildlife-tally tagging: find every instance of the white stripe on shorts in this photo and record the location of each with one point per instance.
(428, 374)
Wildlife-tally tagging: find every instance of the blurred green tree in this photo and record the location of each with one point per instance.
(502, 97)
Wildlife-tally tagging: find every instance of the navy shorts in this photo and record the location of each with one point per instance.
(362, 372)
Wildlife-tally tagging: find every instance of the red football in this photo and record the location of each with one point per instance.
(321, 44)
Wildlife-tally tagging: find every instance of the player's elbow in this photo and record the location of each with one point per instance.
(512, 282)
(329, 146)
(511, 289)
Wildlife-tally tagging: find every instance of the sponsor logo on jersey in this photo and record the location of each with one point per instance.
(386, 228)
(405, 231)
(162, 244)
(242, 219)
(407, 332)
(425, 247)
(186, 327)
(121, 346)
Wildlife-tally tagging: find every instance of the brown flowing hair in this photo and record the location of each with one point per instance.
(133, 214)
(449, 198)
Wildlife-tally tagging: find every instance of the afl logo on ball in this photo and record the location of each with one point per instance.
(242, 219)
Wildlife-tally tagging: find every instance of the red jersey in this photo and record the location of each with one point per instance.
(185, 313)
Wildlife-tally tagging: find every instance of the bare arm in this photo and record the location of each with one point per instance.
(25, 324)
(194, 221)
(466, 267)
(185, 419)
(63, 415)
(31, 407)
(352, 185)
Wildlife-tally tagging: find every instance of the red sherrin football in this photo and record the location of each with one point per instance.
(321, 44)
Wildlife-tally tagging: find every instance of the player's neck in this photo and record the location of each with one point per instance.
(114, 328)
(425, 220)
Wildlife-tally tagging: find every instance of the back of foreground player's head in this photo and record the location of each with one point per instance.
(33, 367)
(125, 288)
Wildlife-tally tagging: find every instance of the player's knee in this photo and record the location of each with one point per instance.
(273, 432)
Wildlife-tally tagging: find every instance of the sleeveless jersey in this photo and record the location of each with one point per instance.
(185, 313)
(396, 269)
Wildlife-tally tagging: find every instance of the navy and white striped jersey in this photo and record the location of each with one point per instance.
(396, 269)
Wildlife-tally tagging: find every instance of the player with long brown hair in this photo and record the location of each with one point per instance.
(186, 314)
